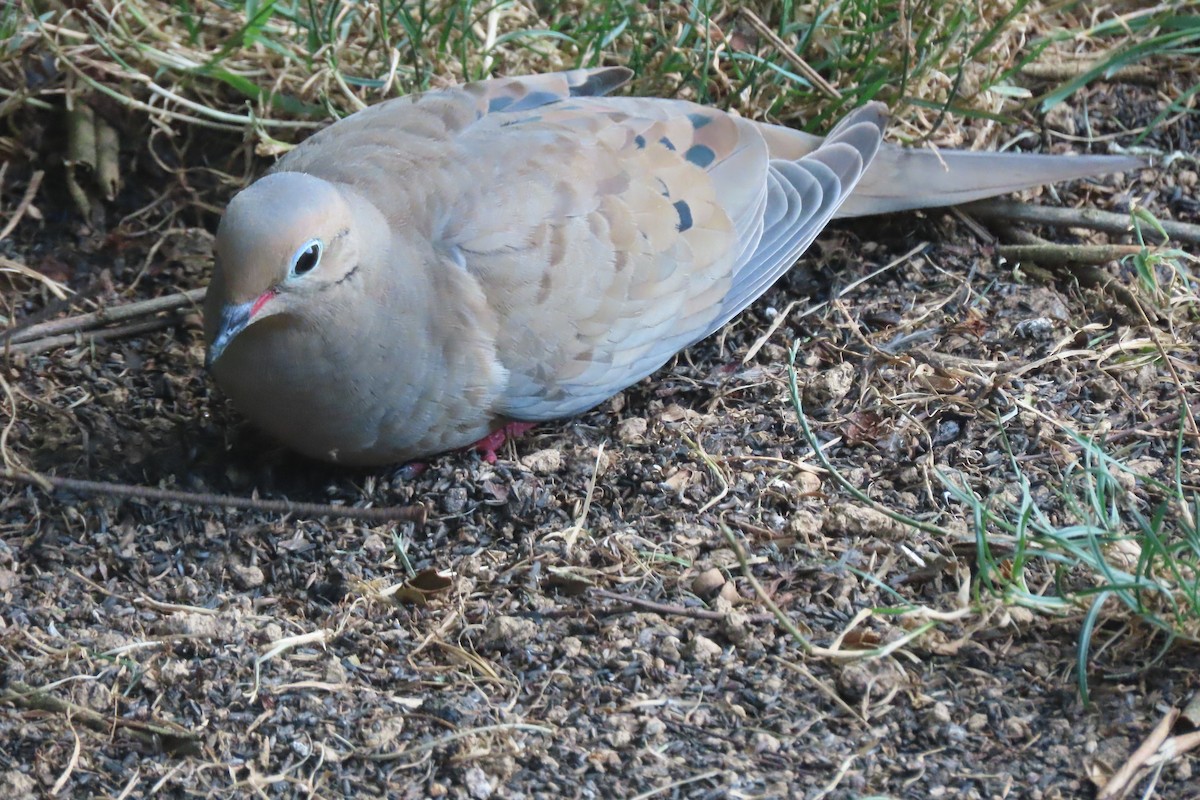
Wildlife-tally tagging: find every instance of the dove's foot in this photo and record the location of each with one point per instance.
(412, 470)
(488, 445)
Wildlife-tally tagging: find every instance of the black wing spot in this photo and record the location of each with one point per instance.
(665, 142)
(700, 155)
(685, 216)
(640, 141)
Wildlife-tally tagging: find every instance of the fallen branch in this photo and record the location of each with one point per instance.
(637, 603)
(415, 514)
(167, 736)
(1015, 211)
(1069, 70)
(1086, 272)
(1049, 254)
(90, 337)
(104, 316)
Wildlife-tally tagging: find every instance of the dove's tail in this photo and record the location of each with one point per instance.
(902, 178)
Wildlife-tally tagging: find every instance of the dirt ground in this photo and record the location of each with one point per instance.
(573, 649)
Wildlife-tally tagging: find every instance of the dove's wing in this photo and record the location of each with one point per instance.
(632, 228)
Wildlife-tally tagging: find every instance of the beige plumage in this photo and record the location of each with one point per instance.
(418, 274)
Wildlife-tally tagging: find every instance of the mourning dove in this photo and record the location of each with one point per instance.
(427, 270)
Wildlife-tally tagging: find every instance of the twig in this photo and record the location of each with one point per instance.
(23, 695)
(1062, 255)
(672, 787)
(1016, 211)
(667, 609)
(1179, 382)
(55, 288)
(799, 63)
(1085, 272)
(1065, 71)
(1123, 777)
(66, 339)
(433, 744)
(784, 620)
(82, 322)
(56, 306)
(415, 514)
(35, 181)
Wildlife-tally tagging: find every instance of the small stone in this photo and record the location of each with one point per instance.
(668, 650)
(8, 580)
(704, 650)
(245, 577)
(853, 520)
(479, 785)
(543, 462)
(708, 583)
(455, 500)
(632, 430)
(827, 389)
(16, 784)
(654, 727)
(977, 722)
(507, 633)
(763, 742)
(571, 647)
(804, 525)
(729, 593)
(620, 738)
(808, 483)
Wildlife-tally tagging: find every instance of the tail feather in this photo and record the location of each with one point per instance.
(900, 178)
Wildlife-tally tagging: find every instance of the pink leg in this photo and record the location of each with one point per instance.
(488, 445)
(412, 470)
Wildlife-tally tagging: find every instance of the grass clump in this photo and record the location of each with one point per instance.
(272, 64)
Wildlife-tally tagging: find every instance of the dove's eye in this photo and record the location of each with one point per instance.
(306, 258)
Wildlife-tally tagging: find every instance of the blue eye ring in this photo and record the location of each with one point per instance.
(306, 259)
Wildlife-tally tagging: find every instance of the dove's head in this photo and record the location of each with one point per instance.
(285, 248)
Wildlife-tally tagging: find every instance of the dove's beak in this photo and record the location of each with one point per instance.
(235, 318)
